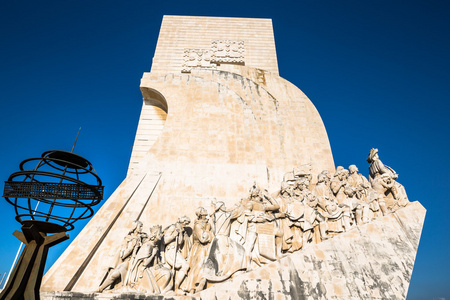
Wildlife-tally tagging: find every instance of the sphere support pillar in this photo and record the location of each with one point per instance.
(25, 280)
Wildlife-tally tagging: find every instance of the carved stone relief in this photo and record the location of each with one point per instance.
(259, 229)
(227, 51)
(221, 51)
(197, 58)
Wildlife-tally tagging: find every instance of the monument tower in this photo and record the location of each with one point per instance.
(216, 118)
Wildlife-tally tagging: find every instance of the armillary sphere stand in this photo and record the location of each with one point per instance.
(64, 187)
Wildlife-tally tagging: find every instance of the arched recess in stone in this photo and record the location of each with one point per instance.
(154, 98)
(151, 123)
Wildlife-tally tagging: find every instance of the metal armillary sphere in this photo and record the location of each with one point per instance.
(49, 194)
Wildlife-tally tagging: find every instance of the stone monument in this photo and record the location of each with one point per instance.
(232, 191)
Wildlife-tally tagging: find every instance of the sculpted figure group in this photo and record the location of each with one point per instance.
(259, 229)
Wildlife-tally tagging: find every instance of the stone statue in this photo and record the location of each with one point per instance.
(340, 187)
(147, 273)
(127, 253)
(261, 228)
(285, 200)
(295, 212)
(358, 182)
(303, 216)
(359, 190)
(343, 192)
(383, 180)
(385, 193)
(226, 256)
(338, 217)
(312, 218)
(377, 168)
(327, 177)
(202, 237)
(322, 189)
(177, 242)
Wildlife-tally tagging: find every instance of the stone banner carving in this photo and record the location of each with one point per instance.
(221, 51)
(197, 58)
(260, 229)
(226, 51)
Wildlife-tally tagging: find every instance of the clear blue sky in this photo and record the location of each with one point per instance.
(377, 71)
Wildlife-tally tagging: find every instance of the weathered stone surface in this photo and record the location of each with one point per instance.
(179, 33)
(371, 261)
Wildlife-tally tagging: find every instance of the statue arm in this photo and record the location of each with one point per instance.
(259, 219)
(273, 203)
(130, 248)
(237, 212)
(279, 214)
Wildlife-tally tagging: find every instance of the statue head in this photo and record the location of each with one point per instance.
(302, 184)
(286, 188)
(200, 212)
(284, 185)
(184, 221)
(373, 154)
(155, 233)
(326, 173)
(136, 226)
(338, 170)
(321, 178)
(341, 173)
(353, 169)
(255, 192)
(344, 174)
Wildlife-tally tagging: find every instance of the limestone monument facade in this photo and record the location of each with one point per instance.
(232, 191)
